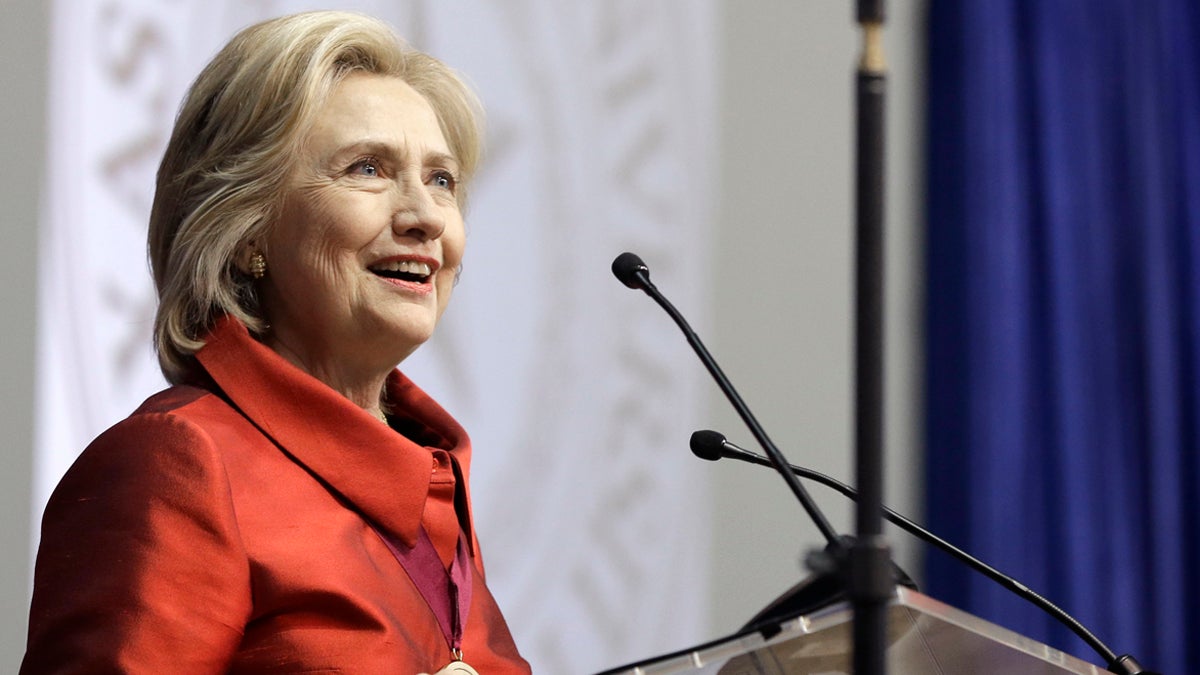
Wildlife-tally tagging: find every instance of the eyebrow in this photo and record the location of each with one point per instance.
(442, 159)
(445, 161)
(389, 151)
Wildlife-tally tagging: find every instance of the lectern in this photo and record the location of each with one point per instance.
(924, 637)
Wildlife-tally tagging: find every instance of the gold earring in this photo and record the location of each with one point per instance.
(258, 265)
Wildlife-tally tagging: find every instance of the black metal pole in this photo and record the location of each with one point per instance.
(871, 585)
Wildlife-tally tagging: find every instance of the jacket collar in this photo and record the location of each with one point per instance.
(383, 474)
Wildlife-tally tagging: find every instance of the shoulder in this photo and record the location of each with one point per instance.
(174, 437)
(178, 418)
(141, 557)
(157, 472)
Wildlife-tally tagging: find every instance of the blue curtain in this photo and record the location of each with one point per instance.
(1063, 316)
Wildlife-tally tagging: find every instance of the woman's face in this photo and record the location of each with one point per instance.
(363, 259)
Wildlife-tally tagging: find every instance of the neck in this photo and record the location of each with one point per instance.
(363, 386)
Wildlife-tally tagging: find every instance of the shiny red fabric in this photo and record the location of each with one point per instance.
(230, 531)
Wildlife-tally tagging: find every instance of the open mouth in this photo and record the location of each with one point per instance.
(404, 270)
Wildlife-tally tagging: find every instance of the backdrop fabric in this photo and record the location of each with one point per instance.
(1063, 315)
(600, 138)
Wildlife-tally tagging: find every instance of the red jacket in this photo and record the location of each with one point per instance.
(228, 528)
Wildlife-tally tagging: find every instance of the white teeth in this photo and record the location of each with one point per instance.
(406, 266)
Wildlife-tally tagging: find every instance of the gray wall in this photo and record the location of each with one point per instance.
(23, 47)
(782, 278)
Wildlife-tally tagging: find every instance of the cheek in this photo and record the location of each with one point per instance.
(454, 241)
(324, 240)
(452, 253)
(313, 264)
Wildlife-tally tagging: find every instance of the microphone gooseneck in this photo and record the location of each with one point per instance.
(712, 445)
(634, 273)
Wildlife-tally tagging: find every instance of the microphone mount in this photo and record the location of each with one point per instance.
(712, 445)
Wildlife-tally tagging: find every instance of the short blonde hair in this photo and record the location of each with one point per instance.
(222, 179)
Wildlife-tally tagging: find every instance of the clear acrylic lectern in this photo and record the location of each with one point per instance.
(925, 637)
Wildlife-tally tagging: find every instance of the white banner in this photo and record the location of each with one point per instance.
(579, 394)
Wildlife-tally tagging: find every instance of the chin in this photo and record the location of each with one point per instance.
(408, 338)
(402, 332)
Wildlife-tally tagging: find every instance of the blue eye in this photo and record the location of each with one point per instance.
(445, 180)
(365, 167)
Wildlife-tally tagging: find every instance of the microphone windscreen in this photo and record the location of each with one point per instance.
(708, 444)
(626, 267)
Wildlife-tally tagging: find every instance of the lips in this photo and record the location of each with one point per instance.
(415, 270)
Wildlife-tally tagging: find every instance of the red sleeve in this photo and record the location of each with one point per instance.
(141, 568)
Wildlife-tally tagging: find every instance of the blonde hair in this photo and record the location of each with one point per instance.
(223, 175)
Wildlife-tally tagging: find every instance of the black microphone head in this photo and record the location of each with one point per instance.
(629, 268)
(708, 444)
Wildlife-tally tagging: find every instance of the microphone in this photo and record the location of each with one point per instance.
(631, 271)
(828, 583)
(712, 446)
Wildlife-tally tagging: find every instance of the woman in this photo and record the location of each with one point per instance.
(293, 503)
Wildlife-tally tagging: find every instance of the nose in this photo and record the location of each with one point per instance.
(417, 213)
